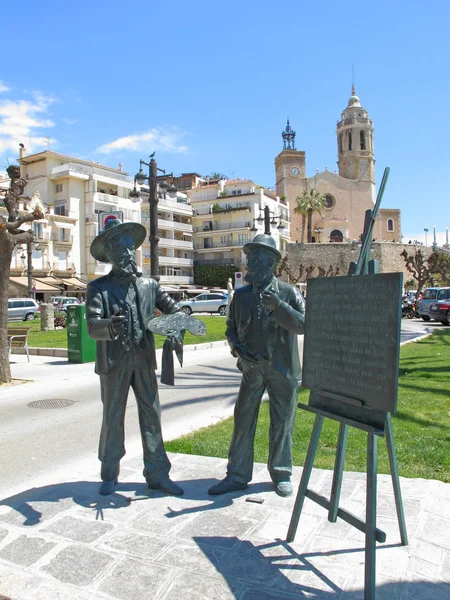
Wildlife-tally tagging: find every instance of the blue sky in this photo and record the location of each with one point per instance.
(208, 85)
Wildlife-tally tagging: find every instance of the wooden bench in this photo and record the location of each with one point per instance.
(18, 338)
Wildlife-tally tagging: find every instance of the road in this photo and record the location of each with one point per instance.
(38, 446)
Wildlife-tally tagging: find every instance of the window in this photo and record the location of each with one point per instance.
(349, 140)
(329, 201)
(340, 143)
(59, 188)
(243, 238)
(38, 230)
(225, 240)
(336, 236)
(390, 225)
(63, 235)
(60, 209)
(362, 140)
(62, 260)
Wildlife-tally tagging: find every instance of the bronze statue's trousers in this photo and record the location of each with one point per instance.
(134, 370)
(283, 400)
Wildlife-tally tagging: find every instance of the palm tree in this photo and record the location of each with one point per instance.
(217, 175)
(310, 202)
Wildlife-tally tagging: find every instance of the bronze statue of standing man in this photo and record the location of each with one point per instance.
(263, 321)
(119, 307)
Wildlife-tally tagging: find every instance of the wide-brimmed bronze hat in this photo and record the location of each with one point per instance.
(262, 240)
(113, 228)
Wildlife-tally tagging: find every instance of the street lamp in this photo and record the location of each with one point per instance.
(426, 231)
(318, 231)
(153, 200)
(269, 218)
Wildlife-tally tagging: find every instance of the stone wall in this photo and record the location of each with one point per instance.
(340, 256)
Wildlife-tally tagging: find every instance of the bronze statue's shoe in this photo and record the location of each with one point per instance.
(167, 486)
(107, 487)
(284, 488)
(225, 486)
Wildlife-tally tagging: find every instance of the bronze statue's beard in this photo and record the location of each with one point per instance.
(127, 266)
(255, 275)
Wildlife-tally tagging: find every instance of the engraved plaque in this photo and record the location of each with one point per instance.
(352, 338)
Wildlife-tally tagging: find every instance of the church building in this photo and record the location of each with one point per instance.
(348, 193)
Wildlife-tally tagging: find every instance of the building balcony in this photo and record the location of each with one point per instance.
(70, 169)
(221, 245)
(170, 243)
(66, 241)
(217, 261)
(227, 226)
(224, 208)
(175, 225)
(176, 279)
(173, 260)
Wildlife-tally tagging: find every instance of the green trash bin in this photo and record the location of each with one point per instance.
(80, 347)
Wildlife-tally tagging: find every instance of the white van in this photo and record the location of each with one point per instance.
(22, 309)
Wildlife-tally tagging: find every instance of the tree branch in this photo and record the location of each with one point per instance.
(27, 218)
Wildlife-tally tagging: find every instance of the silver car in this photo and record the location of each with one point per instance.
(22, 309)
(210, 302)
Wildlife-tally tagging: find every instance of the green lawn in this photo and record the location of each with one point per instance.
(58, 339)
(421, 425)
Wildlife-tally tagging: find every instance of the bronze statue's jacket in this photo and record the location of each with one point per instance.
(106, 297)
(280, 327)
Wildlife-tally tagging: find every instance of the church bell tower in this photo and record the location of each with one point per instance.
(289, 167)
(355, 142)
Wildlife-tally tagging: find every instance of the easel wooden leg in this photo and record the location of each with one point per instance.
(307, 468)
(338, 472)
(395, 480)
(371, 517)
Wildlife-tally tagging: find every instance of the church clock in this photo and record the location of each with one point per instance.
(295, 171)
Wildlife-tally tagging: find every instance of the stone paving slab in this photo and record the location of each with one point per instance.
(66, 542)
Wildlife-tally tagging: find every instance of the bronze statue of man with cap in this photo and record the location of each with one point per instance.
(119, 307)
(263, 321)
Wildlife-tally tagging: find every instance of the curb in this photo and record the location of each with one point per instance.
(62, 352)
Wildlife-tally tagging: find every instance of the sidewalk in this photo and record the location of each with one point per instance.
(65, 542)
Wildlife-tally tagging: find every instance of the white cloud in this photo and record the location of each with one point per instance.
(167, 139)
(20, 120)
(4, 87)
(69, 121)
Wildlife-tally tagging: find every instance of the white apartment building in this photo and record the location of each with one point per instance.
(226, 211)
(74, 192)
(175, 247)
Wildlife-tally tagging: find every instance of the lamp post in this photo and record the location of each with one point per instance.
(318, 231)
(269, 219)
(153, 200)
(426, 231)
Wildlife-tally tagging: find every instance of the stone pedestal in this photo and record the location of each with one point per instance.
(47, 317)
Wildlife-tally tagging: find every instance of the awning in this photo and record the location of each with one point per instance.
(74, 284)
(62, 225)
(41, 286)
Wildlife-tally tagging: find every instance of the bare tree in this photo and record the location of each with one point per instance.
(12, 234)
(419, 268)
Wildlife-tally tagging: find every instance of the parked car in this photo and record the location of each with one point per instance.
(430, 296)
(440, 310)
(22, 309)
(61, 302)
(210, 302)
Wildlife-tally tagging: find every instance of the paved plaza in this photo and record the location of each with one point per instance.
(65, 542)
